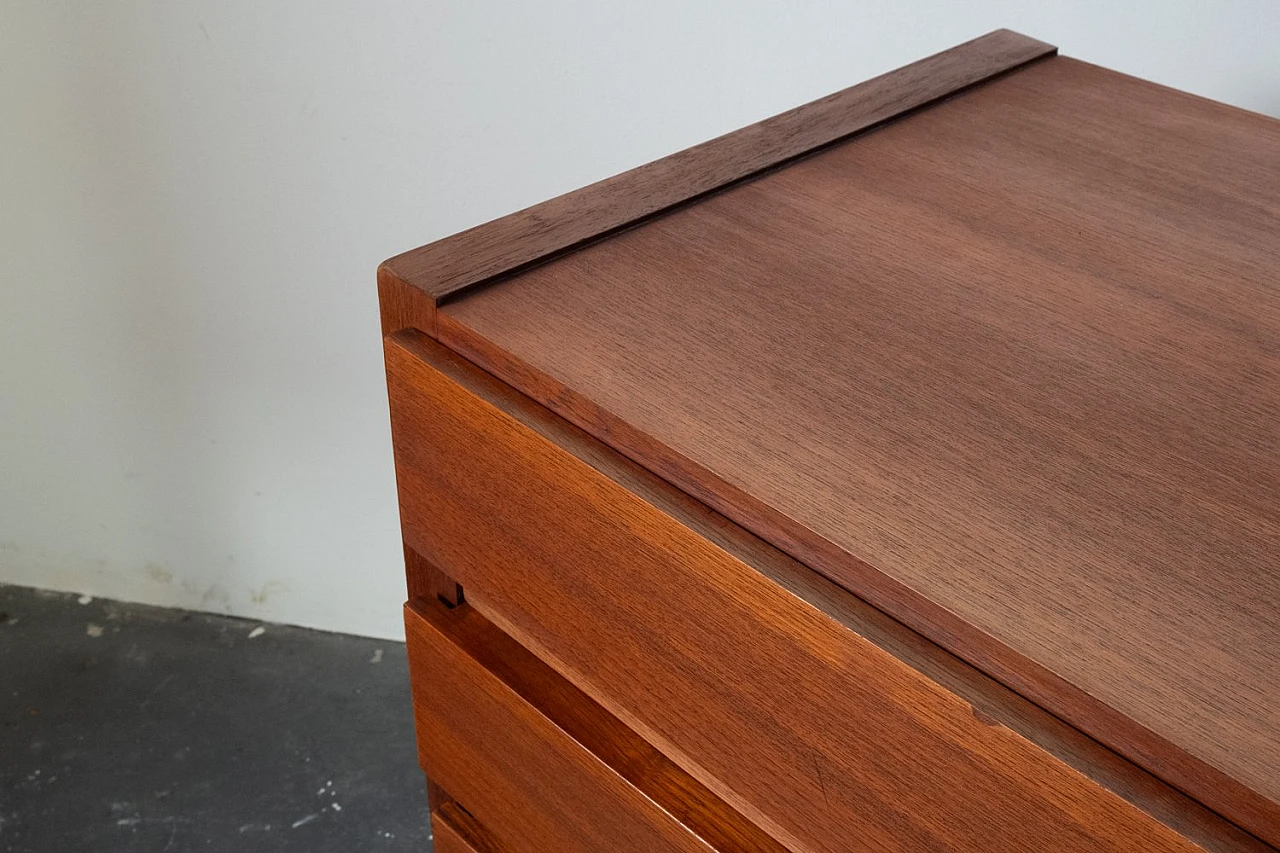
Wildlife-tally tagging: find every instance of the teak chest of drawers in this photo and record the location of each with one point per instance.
(897, 473)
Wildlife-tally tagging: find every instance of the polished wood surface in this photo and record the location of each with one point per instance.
(540, 764)
(427, 581)
(453, 830)
(809, 712)
(443, 268)
(1007, 368)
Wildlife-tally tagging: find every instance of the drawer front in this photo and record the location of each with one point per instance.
(445, 838)
(455, 831)
(813, 732)
(539, 764)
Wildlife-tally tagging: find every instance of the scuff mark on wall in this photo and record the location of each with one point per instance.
(268, 589)
(159, 573)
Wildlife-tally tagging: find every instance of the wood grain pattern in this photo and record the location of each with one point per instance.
(454, 830)
(717, 650)
(495, 248)
(1008, 368)
(427, 581)
(436, 796)
(540, 764)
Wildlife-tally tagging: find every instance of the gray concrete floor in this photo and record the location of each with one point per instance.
(134, 728)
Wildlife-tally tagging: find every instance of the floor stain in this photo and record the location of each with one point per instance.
(256, 726)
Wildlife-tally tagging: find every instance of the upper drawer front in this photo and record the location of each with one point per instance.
(821, 737)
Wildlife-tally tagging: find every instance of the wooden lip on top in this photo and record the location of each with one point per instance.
(1064, 325)
(485, 253)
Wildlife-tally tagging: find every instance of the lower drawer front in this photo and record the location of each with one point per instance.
(455, 831)
(658, 610)
(540, 765)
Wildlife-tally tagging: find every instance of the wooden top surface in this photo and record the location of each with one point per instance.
(527, 236)
(1008, 368)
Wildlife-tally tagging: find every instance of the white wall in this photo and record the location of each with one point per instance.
(194, 196)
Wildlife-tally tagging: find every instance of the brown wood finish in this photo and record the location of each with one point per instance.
(427, 581)
(758, 678)
(1008, 368)
(440, 269)
(454, 830)
(436, 796)
(538, 762)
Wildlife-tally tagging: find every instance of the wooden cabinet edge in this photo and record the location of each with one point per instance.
(456, 831)
(1024, 677)
(992, 702)
(428, 581)
(413, 283)
(616, 749)
(403, 305)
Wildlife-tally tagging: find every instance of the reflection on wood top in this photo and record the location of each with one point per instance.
(1008, 368)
